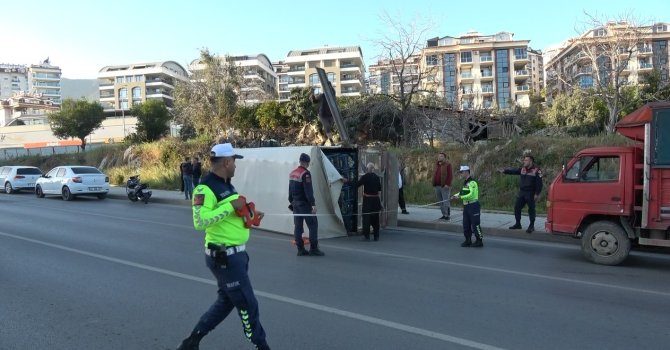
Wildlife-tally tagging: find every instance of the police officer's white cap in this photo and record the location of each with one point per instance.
(464, 168)
(224, 150)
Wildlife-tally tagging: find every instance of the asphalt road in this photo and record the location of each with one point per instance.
(112, 274)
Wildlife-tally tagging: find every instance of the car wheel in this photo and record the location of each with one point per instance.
(66, 194)
(38, 192)
(606, 243)
(102, 195)
(8, 188)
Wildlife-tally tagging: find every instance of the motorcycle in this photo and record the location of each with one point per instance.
(137, 190)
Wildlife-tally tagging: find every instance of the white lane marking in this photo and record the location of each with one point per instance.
(276, 297)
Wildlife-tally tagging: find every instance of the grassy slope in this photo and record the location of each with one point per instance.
(158, 164)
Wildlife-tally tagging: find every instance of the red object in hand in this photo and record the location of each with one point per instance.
(248, 213)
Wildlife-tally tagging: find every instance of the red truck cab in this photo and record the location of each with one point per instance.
(614, 197)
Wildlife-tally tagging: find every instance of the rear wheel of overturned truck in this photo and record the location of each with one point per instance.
(606, 243)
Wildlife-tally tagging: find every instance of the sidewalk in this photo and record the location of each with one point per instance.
(427, 218)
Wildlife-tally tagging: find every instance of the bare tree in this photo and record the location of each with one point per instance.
(401, 54)
(602, 54)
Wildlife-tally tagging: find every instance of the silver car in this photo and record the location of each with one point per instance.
(19, 177)
(73, 180)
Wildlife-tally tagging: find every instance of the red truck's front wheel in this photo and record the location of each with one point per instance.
(606, 243)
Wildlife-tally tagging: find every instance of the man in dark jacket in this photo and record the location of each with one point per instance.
(197, 171)
(186, 169)
(372, 205)
(529, 190)
(301, 199)
(442, 178)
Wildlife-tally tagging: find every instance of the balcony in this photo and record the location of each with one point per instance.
(487, 90)
(646, 65)
(584, 70)
(644, 51)
(467, 76)
(487, 75)
(467, 91)
(525, 88)
(521, 73)
(486, 59)
(521, 57)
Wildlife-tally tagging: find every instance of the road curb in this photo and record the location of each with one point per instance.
(153, 199)
(488, 231)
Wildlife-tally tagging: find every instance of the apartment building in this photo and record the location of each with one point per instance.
(44, 80)
(13, 79)
(123, 86)
(260, 78)
(344, 67)
(24, 108)
(572, 66)
(476, 71)
(385, 79)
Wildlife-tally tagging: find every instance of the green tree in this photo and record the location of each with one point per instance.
(577, 109)
(299, 109)
(655, 88)
(76, 119)
(245, 118)
(270, 116)
(208, 101)
(153, 120)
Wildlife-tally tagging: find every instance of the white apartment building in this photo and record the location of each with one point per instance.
(344, 67)
(571, 67)
(13, 79)
(477, 71)
(123, 86)
(26, 109)
(44, 79)
(260, 79)
(384, 77)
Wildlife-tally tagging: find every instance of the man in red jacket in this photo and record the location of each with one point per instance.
(442, 182)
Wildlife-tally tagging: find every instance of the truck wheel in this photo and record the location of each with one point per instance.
(606, 243)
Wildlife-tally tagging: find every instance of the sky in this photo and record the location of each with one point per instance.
(83, 36)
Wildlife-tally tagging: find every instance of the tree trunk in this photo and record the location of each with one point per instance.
(83, 144)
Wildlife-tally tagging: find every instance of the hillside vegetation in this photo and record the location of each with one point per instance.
(158, 163)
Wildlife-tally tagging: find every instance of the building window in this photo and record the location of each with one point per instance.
(314, 79)
(120, 80)
(520, 53)
(137, 93)
(123, 93)
(466, 56)
(331, 77)
(124, 104)
(599, 32)
(431, 60)
(313, 64)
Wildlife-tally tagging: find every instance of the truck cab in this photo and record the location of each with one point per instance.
(614, 197)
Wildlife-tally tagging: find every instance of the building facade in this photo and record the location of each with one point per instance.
(26, 109)
(477, 71)
(13, 79)
(344, 67)
(640, 50)
(259, 77)
(44, 80)
(123, 86)
(385, 79)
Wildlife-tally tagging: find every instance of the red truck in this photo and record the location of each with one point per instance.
(616, 197)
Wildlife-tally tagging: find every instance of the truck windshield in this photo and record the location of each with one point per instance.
(594, 169)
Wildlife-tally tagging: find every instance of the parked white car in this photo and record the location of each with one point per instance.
(73, 180)
(19, 177)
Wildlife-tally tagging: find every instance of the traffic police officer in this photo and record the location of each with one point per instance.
(371, 202)
(301, 199)
(215, 202)
(529, 191)
(471, 209)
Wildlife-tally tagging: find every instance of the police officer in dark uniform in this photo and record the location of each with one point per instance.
(471, 208)
(215, 208)
(301, 199)
(372, 205)
(529, 191)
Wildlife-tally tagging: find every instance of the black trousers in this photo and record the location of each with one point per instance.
(523, 198)
(471, 221)
(371, 208)
(401, 199)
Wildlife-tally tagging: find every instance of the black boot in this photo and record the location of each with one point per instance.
(192, 342)
(263, 347)
(530, 228)
(467, 243)
(314, 251)
(516, 226)
(302, 251)
(478, 243)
